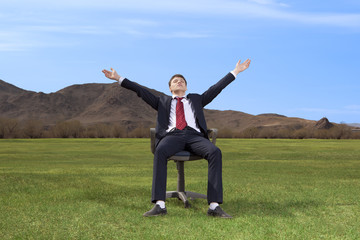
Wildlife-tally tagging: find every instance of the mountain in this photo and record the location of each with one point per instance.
(88, 103)
(357, 125)
(109, 103)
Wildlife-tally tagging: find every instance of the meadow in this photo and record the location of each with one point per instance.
(99, 189)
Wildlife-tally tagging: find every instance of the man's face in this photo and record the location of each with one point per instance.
(178, 84)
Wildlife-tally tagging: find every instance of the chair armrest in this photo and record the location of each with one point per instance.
(212, 132)
(152, 139)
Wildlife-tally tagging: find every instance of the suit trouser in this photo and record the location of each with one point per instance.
(191, 140)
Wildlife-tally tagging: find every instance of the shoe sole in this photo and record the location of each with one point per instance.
(157, 215)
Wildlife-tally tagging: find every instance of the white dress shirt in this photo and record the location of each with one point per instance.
(189, 114)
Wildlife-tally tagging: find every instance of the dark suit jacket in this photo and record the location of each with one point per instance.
(162, 104)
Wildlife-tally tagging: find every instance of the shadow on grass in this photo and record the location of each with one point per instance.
(137, 198)
(268, 208)
(74, 188)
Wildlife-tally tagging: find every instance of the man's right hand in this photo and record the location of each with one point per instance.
(111, 74)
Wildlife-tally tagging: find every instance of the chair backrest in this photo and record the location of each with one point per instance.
(183, 155)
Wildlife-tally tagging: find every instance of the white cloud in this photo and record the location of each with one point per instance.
(270, 2)
(11, 41)
(39, 18)
(71, 29)
(183, 35)
(11, 47)
(266, 9)
(353, 109)
(139, 22)
(24, 39)
(330, 19)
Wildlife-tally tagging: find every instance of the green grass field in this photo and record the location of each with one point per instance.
(99, 189)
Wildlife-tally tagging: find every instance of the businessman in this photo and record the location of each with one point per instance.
(181, 125)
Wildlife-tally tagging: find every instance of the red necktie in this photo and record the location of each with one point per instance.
(180, 115)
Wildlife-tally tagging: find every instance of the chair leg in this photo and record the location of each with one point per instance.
(181, 194)
(194, 195)
(181, 184)
(181, 176)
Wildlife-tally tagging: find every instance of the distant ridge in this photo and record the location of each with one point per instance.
(354, 124)
(109, 103)
(270, 115)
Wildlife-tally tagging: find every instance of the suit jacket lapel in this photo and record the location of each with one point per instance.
(168, 105)
(193, 105)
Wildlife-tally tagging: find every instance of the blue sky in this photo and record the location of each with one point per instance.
(305, 54)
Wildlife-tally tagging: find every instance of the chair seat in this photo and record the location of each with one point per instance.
(184, 156)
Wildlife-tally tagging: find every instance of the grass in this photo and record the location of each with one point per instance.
(99, 189)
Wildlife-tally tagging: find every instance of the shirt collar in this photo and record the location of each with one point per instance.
(185, 96)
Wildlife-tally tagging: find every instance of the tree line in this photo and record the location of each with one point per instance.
(340, 131)
(12, 128)
(32, 128)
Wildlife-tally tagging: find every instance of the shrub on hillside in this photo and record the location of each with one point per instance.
(9, 128)
(67, 129)
(33, 129)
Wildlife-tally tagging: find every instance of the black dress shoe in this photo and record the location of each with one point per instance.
(218, 212)
(155, 211)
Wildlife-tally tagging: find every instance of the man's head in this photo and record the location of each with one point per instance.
(177, 83)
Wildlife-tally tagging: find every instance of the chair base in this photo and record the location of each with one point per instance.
(183, 196)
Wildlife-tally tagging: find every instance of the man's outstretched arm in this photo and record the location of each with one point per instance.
(214, 90)
(146, 95)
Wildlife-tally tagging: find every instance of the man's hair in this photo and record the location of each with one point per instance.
(177, 75)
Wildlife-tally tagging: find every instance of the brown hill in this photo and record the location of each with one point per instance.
(323, 124)
(109, 103)
(88, 103)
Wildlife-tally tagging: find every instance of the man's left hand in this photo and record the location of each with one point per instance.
(241, 66)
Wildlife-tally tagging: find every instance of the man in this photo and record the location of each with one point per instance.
(181, 125)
